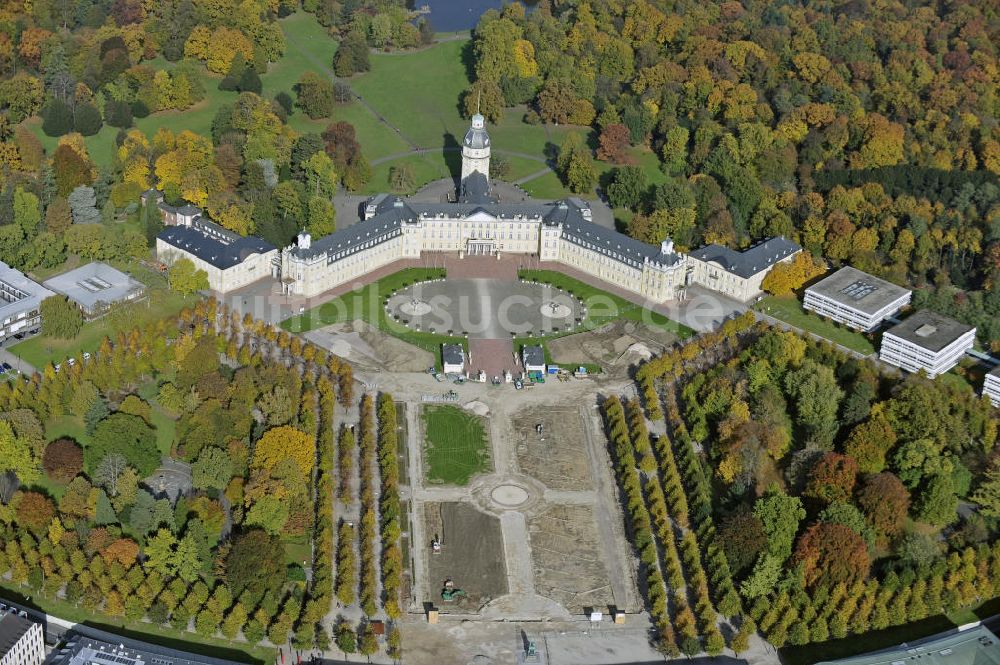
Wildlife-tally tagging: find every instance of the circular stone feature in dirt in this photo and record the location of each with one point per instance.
(509, 496)
(415, 308)
(555, 310)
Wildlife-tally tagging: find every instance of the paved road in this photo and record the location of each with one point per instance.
(14, 361)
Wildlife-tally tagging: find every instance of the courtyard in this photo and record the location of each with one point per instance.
(486, 309)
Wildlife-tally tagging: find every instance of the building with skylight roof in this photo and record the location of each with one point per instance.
(95, 287)
(856, 299)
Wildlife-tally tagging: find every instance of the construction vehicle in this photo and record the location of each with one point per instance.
(450, 592)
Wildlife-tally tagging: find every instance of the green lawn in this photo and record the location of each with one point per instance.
(426, 168)
(419, 92)
(603, 307)
(789, 310)
(367, 304)
(456, 445)
(162, 635)
(308, 47)
(40, 350)
(297, 550)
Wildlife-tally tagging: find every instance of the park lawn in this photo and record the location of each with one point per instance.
(425, 167)
(419, 92)
(520, 167)
(550, 187)
(42, 349)
(789, 310)
(147, 632)
(308, 47)
(603, 307)
(456, 445)
(100, 146)
(367, 304)
(297, 550)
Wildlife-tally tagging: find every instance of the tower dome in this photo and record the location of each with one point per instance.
(477, 138)
(475, 157)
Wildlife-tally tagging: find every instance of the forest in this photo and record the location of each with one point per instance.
(864, 131)
(80, 66)
(828, 498)
(87, 522)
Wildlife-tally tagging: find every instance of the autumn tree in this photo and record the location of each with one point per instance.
(315, 95)
(832, 553)
(788, 276)
(885, 503)
(16, 455)
(255, 564)
(63, 460)
(282, 443)
(34, 511)
(613, 144)
(832, 478)
(185, 278)
(870, 441)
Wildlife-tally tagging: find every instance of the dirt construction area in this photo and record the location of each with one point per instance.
(614, 346)
(552, 456)
(367, 347)
(471, 555)
(566, 555)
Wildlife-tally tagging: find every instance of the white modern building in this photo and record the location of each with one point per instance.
(991, 387)
(533, 358)
(856, 299)
(231, 261)
(95, 287)
(21, 640)
(88, 646)
(453, 358)
(738, 274)
(927, 341)
(479, 226)
(20, 303)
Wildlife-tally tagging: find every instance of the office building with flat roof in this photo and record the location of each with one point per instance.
(95, 287)
(21, 640)
(969, 645)
(20, 302)
(855, 298)
(991, 387)
(82, 649)
(927, 341)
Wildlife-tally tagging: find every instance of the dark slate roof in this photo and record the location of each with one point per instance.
(751, 261)
(616, 245)
(213, 244)
(476, 189)
(188, 209)
(533, 355)
(453, 354)
(12, 629)
(344, 242)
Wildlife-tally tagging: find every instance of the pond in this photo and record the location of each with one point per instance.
(455, 15)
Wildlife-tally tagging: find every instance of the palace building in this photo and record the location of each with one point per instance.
(477, 224)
